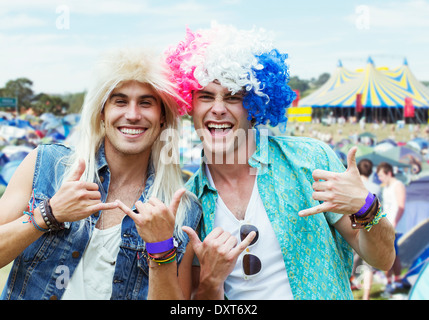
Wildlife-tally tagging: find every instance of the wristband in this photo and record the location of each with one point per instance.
(162, 246)
(370, 218)
(368, 202)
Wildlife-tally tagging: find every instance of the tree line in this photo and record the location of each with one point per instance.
(39, 103)
(306, 87)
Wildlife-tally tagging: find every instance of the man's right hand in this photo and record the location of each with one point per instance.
(217, 254)
(76, 200)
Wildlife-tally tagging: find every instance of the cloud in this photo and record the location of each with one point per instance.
(54, 62)
(19, 21)
(76, 6)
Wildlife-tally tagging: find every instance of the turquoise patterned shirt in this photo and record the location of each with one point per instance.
(318, 260)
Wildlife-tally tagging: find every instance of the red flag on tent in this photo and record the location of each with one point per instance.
(295, 102)
(359, 107)
(409, 108)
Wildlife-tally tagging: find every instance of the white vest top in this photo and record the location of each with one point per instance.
(272, 282)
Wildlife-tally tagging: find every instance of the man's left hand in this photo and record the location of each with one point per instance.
(155, 221)
(342, 193)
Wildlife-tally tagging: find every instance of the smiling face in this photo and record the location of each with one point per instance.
(220, 118)
(133, 117)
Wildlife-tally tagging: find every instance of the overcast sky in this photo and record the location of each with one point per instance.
(55, 43)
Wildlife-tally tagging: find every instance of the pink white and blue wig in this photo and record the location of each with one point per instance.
(237, 59)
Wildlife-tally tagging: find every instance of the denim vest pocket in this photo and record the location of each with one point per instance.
(41, 249)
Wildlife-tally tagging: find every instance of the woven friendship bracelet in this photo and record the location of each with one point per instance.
(30, 214)
(152, 261)
(380, 214)
(31, 219)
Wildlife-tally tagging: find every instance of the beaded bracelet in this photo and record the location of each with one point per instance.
(168, 258)
(380, 214)
(167, 255)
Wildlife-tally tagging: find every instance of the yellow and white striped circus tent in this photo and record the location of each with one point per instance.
(408, 81)
(378, 88)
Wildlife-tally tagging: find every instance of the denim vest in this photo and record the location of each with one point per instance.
(43, 269)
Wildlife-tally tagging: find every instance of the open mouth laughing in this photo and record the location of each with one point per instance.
(219, 129)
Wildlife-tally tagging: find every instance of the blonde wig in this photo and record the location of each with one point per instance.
(113, 69)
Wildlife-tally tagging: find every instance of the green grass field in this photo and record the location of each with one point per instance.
(344, 131)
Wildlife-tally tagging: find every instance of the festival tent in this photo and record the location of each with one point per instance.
(414, 225)
(19, 137)
(340, 76)
(11, 157)
(413, 248)
(384, 145)
(403, 154)
(8, 170)
(413, 245)
(406, 79)
(361, 149)
(376, 89)
(377, 158)
(419, 144)
(420, 290)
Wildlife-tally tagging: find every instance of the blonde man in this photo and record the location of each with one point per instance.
(79, 237)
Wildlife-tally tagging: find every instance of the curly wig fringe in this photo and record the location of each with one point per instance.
(238, 59)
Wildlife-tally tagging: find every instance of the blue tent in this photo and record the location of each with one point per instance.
(8, 170)
(420, 290)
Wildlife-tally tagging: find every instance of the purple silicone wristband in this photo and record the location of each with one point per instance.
(368, 201)
(162, 246)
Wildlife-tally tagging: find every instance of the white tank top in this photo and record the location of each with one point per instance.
(92, 279)
(272, 282)
(390, 203)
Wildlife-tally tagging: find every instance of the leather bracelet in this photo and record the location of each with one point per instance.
(362, 221)
(48, 217)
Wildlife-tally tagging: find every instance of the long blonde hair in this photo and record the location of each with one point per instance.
(145, 67)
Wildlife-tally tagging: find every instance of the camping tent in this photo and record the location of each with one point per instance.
(420, 289)
(416, 205)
